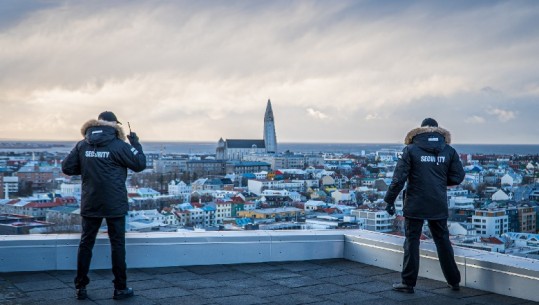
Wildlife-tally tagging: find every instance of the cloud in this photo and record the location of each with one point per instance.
(208, 67)
(371, 116)
(316, 114)
(503, 115)
(475, 119)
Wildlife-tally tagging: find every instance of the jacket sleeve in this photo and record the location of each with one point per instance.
(400, 176)
(456, 172)
(71, 164)
(133, 157)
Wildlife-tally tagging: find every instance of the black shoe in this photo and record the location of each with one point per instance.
(454, 287)
(401, 287)
(123, 293)
(81, 294)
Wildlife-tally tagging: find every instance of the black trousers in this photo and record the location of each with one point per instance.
(446, 256)
(116, 231)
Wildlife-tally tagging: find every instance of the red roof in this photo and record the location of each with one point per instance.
(491, 240)
(65, 200)
(43, 205)
(13, 201)
(237, 199)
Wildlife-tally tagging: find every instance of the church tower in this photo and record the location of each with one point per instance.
(220, 152)
(270, 137)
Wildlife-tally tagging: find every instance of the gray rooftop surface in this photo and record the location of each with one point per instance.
(335, 281)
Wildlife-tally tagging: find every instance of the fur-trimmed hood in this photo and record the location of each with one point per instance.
(420, 130)
(95, 123)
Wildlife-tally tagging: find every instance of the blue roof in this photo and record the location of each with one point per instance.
(250, 163)
(235, 143)
(243, 221)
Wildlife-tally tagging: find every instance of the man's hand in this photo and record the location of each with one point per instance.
(133, 138)
(390, 209)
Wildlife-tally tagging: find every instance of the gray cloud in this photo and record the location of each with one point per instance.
(200, 70)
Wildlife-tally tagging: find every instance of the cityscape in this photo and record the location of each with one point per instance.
(261, 145)
(248, 184)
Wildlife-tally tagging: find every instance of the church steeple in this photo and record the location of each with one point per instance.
(270, 137)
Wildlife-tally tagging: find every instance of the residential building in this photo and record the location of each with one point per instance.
(325, 222)
(313, 205)
(490, 244)
(207, 167)
(143, 192)
(513, 222)
(16, 224)
(37, 174)
(284, 213)
(179, 188)
(210, 219)
(151, 215)
(490, 222)
(275, 198)
(313, 160)
(190, 217)
(35, 206)
(170, 164)
(9, 186)
(527, 219)
(500, 196)
(145, 220)
(278, 161)
(374, 219)
(170, 218)
(343, 196)
(246, 167)
(223, 211)
(66, 218)
(71, 189)
(461, 214)
(507, 180)
(207, 185)
(257, 186)
(461, 228)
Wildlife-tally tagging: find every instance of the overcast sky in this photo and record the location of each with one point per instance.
(335, 71)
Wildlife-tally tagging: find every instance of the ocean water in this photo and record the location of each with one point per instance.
(209, 147)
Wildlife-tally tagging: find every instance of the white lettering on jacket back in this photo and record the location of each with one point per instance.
(97, 154)
(441, 159)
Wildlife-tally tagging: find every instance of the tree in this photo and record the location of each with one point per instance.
(26, 188)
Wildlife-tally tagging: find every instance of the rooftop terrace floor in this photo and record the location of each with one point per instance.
(334, 281)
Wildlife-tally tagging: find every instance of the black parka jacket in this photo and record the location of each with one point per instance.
(428, 165)
(102, 160)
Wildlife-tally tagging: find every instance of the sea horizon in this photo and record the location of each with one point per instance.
(208, 147)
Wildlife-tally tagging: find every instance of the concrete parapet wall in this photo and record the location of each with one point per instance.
(499, 273)
(59, 251)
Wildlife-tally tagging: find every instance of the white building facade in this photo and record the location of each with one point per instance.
(490, 222)
(374, 220)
